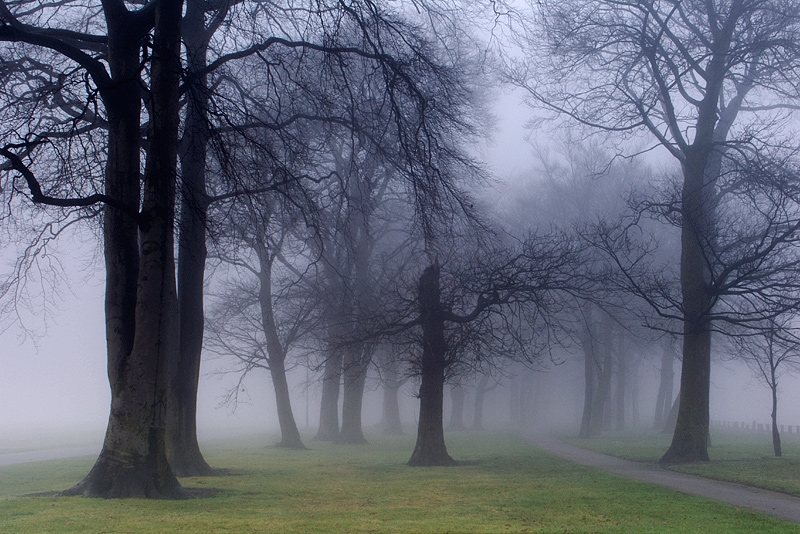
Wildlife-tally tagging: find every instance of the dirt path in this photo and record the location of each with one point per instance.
(769, 502)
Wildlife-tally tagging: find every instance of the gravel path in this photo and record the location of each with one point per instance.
(769, 502)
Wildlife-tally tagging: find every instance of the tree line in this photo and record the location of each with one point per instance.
(318, 155)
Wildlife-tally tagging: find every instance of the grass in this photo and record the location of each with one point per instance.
(507, 487)
(743, 457)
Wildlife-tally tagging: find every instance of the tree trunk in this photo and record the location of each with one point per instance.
(391, 421)
(776, 437)
(589, 364)
(290, 435)
(480, 397)
(276, 350)
(183, 450)
(601, 399)
(664, 397)
(329, 403)
(430, 449)
(690, 440)
(622, 371)
(355, 375)
(456, 409)
(133, 461)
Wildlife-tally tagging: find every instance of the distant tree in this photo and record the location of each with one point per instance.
(701, 79)
(769, 354)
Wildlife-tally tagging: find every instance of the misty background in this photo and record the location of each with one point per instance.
(54, 389)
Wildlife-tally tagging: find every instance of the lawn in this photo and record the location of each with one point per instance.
(737, 456)
(506, 486)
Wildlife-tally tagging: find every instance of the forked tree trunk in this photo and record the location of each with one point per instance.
(430, 449)
(183, 449)
(133, 461)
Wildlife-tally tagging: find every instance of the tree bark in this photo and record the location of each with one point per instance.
(133, 461)
(183, 449)
(430, 449)
(689, 442)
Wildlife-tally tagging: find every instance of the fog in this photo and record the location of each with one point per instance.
(54, 390)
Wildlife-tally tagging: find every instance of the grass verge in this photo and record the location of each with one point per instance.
(742, 457)
(507, 487)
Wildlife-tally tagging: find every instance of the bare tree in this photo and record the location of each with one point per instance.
(690, 74)
(770, 353)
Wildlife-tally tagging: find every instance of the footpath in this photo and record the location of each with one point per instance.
(773, 503)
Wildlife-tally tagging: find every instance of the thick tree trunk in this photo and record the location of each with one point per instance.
(183, 449)
(355, 375)
(329, 403)
(430, 449)
(133, 462)
(690, 440)
(456, 409)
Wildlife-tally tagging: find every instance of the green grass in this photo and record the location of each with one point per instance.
(508, 486)
(742, 457)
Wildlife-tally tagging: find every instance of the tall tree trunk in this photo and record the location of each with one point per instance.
(329, 402)
(480, 398)
(276, 351)
(290, 435)
(183, 449)
(601, 399)
(589, 365)
(430, 448)
(622, 371)
(391, 421)
(456, 409)
(133, 462)
(354, 375)
(776, 437)
(690, 440)
(664, 397)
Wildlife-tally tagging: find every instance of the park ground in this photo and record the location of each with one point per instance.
(503, 485)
